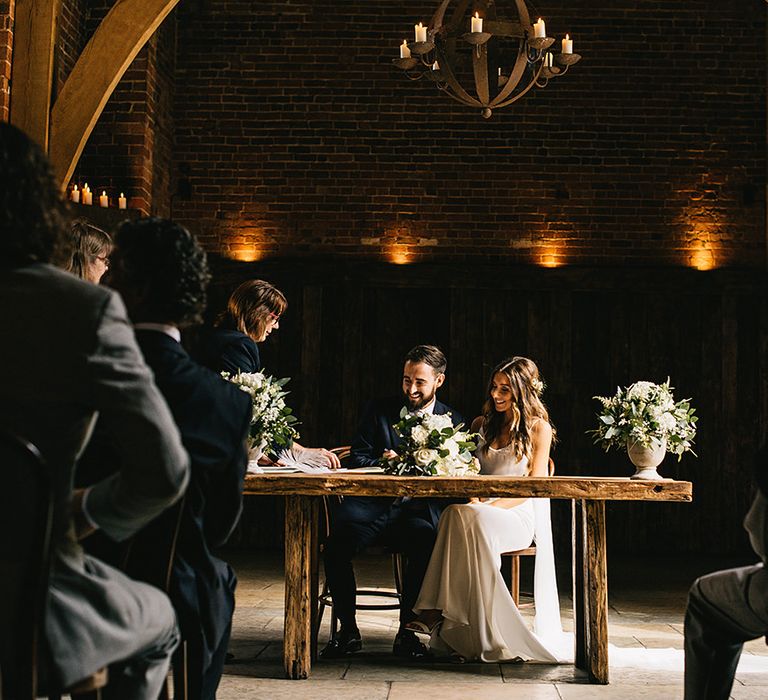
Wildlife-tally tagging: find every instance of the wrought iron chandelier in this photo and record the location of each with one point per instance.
(501, 58)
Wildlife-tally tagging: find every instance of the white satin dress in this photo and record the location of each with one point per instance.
(464, 581)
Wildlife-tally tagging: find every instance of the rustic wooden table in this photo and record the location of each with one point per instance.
(303, 493)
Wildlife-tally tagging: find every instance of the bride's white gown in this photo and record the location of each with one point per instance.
(464, 579)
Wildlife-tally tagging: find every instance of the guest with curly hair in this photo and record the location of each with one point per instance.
(96, 616)
(90, 251)
(162, 273)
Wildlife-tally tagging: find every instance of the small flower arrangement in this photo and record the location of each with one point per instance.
(646, 413)
(272, 422)
(431, 446)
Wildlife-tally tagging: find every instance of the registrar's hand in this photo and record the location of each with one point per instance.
(390, 454)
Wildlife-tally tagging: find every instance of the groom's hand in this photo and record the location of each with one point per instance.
(390, 454)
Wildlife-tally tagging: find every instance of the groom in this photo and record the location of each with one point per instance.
(405, 525)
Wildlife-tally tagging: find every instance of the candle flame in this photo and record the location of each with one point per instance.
(122, 195)
(74, 188)
(567, 37)
(103, 193)
(477, 16)
(405, 43)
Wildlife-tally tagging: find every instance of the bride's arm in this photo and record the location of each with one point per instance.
(541, 436)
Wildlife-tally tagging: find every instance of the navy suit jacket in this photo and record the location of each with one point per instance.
(213, 417)
(226, 350)
(375, 434)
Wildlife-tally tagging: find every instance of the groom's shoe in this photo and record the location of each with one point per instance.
(343, 643)
(408, 646)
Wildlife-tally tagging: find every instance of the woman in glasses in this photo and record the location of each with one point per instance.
(91, 248)
(253, 312)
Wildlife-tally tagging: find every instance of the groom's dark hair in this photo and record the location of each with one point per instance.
(430, 355)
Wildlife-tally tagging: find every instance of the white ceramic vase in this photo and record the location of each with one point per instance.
(646, 459)
(255, 452)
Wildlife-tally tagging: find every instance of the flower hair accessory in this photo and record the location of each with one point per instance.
(538, 385)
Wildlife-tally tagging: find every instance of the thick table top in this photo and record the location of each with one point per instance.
(348, 483)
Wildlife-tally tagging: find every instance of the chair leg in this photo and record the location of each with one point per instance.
(514, 579)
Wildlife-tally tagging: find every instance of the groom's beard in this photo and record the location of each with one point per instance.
(418, 402)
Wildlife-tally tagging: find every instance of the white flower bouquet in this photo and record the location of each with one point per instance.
(272, 421)
(646, 413)
(431, 446)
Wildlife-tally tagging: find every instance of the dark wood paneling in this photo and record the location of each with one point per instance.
(590, 330)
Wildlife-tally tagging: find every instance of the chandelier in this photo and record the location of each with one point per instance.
(500, 58)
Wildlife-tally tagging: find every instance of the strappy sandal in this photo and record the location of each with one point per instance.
(420, 627)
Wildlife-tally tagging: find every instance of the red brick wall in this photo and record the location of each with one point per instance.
(7, 11)
(300, 138)
(129, 150)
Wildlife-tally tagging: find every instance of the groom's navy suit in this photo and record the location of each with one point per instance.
(402, 525)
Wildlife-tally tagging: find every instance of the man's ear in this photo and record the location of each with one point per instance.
(439, 381)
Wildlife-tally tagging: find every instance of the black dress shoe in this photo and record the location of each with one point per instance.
(408, 646)
(342, 644)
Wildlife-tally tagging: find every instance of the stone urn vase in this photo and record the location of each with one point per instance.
(255, 453)
(646, 459)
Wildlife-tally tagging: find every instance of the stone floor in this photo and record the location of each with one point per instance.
(646, 606)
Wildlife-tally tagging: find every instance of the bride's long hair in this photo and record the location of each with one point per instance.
(527, 406)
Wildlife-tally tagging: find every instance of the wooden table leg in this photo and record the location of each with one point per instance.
(578, 565)
(301, 513)
(596, 583)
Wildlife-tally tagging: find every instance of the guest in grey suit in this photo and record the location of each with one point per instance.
(728, 608)
(69, 354)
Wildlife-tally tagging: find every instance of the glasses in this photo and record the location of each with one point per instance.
(103, 259)
(275, 317)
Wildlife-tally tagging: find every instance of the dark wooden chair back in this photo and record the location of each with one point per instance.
(26, 517)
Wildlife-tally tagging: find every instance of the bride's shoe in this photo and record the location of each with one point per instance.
(421, 627)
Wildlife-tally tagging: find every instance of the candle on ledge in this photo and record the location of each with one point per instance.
(122, 203)
(567, 44)
(75, 195)
(435, 66)
(405, 52)
(103, 200)
(421, 32)
(539, 30)
(87, 195)
(477, 24)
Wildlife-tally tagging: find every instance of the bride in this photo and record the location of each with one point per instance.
(464, 603)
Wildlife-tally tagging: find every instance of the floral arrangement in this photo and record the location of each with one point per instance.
(430, 445)
(646, 413)
(272, 421)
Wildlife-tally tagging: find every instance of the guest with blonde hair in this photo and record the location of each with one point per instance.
(91, 248)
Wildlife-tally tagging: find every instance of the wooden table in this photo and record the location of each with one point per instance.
(303, 494)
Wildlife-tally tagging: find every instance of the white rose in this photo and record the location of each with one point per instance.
(424, 456)
(437, 422)
(452, 447)
(419, 434)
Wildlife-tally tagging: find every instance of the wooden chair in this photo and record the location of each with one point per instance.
(27, 500)
(325, 599)
(514, 558)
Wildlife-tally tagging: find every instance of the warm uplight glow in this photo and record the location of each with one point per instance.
(550, 256)
(399, 255)
(249, 254)
(703, 259)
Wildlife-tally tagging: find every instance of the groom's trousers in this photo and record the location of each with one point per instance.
(725, 609)
(405, 528)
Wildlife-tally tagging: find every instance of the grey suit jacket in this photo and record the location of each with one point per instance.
(68, 354)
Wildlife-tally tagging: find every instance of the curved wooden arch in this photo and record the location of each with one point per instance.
(120, 36)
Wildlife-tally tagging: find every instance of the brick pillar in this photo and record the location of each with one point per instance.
(7, 12)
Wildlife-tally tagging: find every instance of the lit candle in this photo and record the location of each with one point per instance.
(75, 196)
(405, 52)
(548, 59)
(103, 200)
(421, 32)
(567, 45)
(539, 30)
(477, 24)
(435, 66)
(122, 203)
(87, 195)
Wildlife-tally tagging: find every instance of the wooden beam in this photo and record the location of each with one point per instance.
(120, 36)
(32, 73)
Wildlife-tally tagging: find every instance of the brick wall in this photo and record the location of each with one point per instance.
(300, 138)
(129, 150)
(7, 11)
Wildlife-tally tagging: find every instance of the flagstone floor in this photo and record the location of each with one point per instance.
(646, 601)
